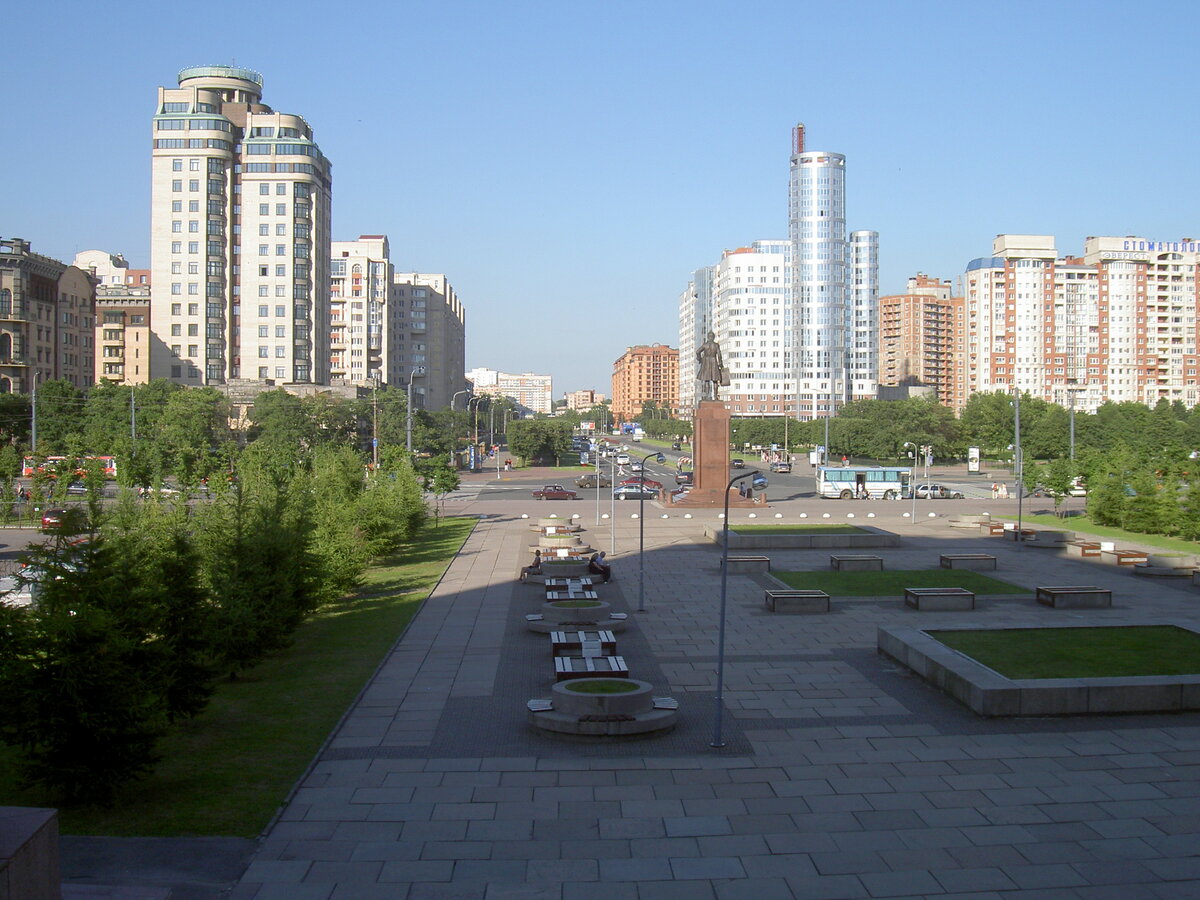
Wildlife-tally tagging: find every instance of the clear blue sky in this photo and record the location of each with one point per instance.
(568, 164)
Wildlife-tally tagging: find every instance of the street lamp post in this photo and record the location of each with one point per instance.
(717, 739)
(454, 399)
(416, 370)
(912, 481)
(658, 457)
(1019, 464)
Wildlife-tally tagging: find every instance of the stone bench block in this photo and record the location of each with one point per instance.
(975, 562)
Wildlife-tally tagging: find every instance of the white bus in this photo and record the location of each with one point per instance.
(863, 482)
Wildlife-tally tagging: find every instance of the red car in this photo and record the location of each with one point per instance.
(554, 492)
(649, 482)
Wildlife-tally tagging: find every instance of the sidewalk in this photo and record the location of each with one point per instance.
(841, 776)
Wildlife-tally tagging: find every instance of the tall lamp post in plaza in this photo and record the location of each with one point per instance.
(1018, 464)
(658, 457)
(717, 739)
(454, 399)
(912, 480)
(475, 440)
(416, 370)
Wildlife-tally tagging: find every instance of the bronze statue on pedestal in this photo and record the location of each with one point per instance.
(712, 373)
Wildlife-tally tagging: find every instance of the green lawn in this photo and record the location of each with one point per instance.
(797, 529)
(1083, 524)
(893, 583)
(1080, 652)
(227, 771)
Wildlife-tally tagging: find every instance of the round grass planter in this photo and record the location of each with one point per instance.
(590, 697)
(575, 611)
(600, 686)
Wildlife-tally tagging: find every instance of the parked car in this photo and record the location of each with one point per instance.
(931, 491)
(781, 467)
(737, 464)
(635, 492)
(683, 477)
(589, 480)
(649, 482)
(554, 492)
(64, 520)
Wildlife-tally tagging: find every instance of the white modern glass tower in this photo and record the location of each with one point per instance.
(240, 231)
(834, 286)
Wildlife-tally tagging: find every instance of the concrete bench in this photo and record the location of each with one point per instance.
(572, 595)
(748, 565)
(569, 584)
(976, 562)
(1084, 549)
(583, 643)
(939, 599)
(568, 667)
(797, 601)
(853, 563)
(1123, 557)
(991, 529)
(1074, 597)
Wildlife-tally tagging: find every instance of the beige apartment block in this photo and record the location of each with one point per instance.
(240, 231)
(362, 332)
(643, 374)
(122, 332)
(531, 393)
(429, 326)
(47, 320)
(921, 340)
(581, 401)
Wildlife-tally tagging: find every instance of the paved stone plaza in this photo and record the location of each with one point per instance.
(842, 775)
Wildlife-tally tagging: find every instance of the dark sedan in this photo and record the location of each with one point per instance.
(635, 492)
(554, 492)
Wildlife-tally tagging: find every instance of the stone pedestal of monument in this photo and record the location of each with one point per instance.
(710, 462)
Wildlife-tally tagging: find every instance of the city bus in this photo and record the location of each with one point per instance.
(75, 466)
(863, 482)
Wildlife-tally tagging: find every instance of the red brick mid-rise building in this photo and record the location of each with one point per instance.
(645, 374)
(922, 339)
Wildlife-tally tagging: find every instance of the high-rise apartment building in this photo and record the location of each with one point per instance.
(430, 327)
(532, 393)
(834, 286)
(47, 320)
(922, 339)
(239, 250)
(696, 319)
(360, 287)
(751, 316)
(1118, 323)
(645, 374)
(122, 321)
(401, 328)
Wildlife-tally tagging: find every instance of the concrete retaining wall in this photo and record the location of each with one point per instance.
(989, 693)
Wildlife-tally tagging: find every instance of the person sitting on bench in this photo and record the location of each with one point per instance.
(534, 568)
(597, 566)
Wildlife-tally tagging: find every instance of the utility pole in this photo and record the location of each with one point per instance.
(33, 415)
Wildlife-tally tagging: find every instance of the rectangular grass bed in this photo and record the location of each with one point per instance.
(1105, 652)
(894, 583)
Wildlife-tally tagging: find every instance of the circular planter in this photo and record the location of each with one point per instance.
(575, 611)
(1171, 560)
(559, 540)
(571, 701)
